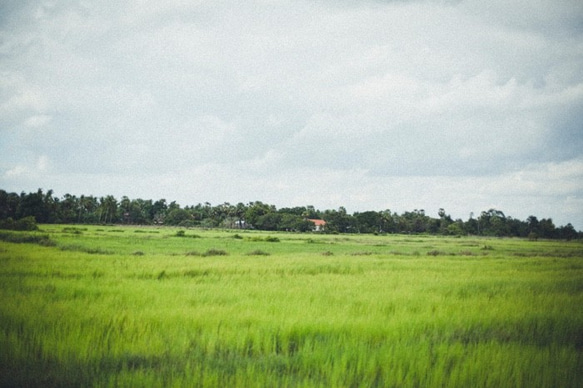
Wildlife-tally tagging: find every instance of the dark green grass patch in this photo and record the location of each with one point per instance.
(215, 252)
(258, 252)
(25, 238)
(182, 233)
(84, 249)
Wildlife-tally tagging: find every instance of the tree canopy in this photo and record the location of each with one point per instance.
(70, 209)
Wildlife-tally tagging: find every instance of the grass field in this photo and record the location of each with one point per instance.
(144, 306)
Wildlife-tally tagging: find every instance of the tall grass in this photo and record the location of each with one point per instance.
(294, 317)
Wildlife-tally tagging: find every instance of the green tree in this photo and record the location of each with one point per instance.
(472, 226)
(9, 203)
(268, 221)
(108, 209)
(388, 222)
(158, 211)
(566, 232)
(444, 222)
(240, 210)
(339, 221)
(179, 216)
(68, 208)
(33, 204)
(368, 222)
(257, 209)
(546, 228)
(456, 228)
(413, 222)
(493, 223)
(88, 210)
(533, 224)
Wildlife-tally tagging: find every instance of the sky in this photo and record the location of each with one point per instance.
(464, 105)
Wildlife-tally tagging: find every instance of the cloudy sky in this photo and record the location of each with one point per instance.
(371, 105)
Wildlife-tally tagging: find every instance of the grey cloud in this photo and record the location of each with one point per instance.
(261, 91)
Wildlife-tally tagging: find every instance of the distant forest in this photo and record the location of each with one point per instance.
(70, 209)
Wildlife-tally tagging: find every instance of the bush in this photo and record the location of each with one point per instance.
(215, 252)
(18, 238)
(271, 239)
(258, 252)
(362, 253)
(182, 233)
(73, 230)
(435, 252)
(91, 251)
(26, 223)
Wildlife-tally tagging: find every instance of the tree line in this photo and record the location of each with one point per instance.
(70, 209)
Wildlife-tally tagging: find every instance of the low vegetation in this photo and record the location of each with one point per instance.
(111, 307)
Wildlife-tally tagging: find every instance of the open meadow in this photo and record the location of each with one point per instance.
(146, 306)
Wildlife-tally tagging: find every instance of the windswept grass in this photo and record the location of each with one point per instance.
(317, 311)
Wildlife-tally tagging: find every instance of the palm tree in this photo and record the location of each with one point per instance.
(108, 208)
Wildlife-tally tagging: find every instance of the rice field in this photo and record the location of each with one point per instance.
(103, 306)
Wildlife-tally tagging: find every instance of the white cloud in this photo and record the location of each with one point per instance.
(42, 164)
(37, 121)
(15, 172)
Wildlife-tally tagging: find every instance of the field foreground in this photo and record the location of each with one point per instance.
(136, 306)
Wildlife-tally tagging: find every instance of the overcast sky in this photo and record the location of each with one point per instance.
(370, 105)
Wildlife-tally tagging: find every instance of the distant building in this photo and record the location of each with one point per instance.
(318, 224)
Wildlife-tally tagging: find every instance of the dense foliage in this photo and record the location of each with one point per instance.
(47, 208)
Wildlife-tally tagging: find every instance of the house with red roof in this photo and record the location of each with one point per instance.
(319, 225)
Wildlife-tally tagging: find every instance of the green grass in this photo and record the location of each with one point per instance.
(127, 306)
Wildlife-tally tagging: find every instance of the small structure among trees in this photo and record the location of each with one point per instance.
(319, 225)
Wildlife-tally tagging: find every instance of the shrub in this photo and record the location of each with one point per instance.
(91, 251)
(73, 230)
(18, 238)
(435, 252)
(271, 239)
(182, 233)
(215, 252)
(26, 223)
(258, 252)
